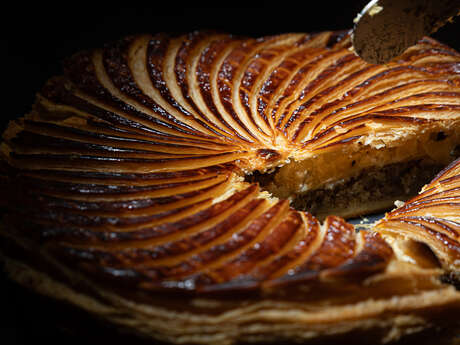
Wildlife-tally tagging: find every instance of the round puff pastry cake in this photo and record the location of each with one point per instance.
(193, 189)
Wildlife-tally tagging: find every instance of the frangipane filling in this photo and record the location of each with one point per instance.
(357, 180)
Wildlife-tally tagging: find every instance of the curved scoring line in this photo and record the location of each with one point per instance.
(331, 128)
(172, 84)
(129, 207)
(243, 69)
(103, 137)
(109, 193)
(332, 134)
(428, 197)
(34, 143)
(96, 163)
(231, 73)
(181, 223)
(96, 109)
(281, 239)
(326, 93)
(303, 250)
(118, 90)
(206, 72)
(90, 80)
(413, 208)
(216, 256)
(441, 222)
(302, 127)
(441, 239)
(181, 255)
(294, 84)
(363, 119)
(279, 79)
(272, 60)
(377, 97)
(186, 56)
(315, 86)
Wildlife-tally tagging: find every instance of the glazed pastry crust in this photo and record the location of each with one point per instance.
(126, 192)
(385, 319)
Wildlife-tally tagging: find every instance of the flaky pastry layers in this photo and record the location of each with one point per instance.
(126, 194)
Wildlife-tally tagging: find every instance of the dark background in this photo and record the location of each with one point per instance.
(38, 38)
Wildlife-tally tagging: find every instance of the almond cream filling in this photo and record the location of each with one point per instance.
(346, 169)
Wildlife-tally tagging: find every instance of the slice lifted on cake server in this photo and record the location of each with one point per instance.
(385, 28)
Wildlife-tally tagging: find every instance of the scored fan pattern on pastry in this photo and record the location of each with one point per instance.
(130, 165)
(432, 217)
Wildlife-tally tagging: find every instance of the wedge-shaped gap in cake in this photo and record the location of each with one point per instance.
(360, 175)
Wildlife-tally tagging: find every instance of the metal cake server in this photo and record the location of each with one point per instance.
(385, 28)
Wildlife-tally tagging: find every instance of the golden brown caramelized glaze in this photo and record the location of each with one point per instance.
(127, 177)
(431, 218)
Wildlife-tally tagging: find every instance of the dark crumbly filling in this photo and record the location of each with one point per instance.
(395, 181)
(452, 278)
(398, 181)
